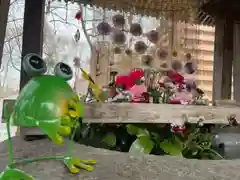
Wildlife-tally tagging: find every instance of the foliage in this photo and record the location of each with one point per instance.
(188, 141)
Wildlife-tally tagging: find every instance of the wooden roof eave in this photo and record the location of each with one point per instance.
(153, 8)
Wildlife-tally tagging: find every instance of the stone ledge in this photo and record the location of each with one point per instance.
(120, 166)
(155, 113)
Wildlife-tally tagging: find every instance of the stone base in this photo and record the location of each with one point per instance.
(114, 165)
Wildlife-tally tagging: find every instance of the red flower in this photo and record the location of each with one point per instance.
(175, 102)
(176, 77)
(136, 75)
(78, 16)
(129, 80)
(179, 129)
(161, 84)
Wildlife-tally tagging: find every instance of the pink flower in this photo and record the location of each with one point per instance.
(138, 92)
(183, 97)
(179, 129)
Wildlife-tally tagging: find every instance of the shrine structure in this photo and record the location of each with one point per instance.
(223, 14)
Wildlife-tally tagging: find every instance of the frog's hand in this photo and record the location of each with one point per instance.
(14, 174)
(53, 129)
(75, 164)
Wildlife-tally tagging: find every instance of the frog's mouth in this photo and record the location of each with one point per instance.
(71, 112)
(74, 108)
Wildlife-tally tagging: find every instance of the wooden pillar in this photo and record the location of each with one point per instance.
(223, 58)
(32, 32)
(4, 8)
(236, 63)
(32, 43)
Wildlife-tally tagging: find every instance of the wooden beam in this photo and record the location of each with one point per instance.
(223, 59)
(154, 113)
(4, 8)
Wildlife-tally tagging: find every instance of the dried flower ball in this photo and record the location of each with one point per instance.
(140, 47)
(189, 67)
(128, 52)
(76, 61)
(104, 28)
(162, 54)
(147, 60)
(118, 37)
(118, 20)
(174, 53)
(164, 65)
(117, 50)
(136, 29)
(188, 56)
(177, 65)
(153, 36)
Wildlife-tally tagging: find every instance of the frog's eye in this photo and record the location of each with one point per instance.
(34, 65)
(64, 71)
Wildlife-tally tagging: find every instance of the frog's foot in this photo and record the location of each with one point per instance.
(74, 164)
(14, 174)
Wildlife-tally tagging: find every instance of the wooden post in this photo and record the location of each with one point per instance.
(32, 42)
(4, 8)
(236, 62)
(32, 32)
(223, 58)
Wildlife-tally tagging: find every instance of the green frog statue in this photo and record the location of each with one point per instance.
(49, 103)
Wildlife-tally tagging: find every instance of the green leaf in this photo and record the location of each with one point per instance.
(132, 130)
(172, 147)
(142, 144)
(143, 132)
(110, 139)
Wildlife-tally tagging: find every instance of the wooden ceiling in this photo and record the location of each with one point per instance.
(180, 10)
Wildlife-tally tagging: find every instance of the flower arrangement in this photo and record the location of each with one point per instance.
(175, 85)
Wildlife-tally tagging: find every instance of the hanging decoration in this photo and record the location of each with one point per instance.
(153, 36)
(104, 28)
(162, 54)
(128, 52)
(188, 56)
(117, 50)
(189, 68)
(174, 53)
(77, 35)
(78, 16)
(118, 21)
(136, 29)
(118, 37)
(147, 60)
(76, 62)
(140, 47)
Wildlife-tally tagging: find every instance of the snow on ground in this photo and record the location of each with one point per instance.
(3, 129)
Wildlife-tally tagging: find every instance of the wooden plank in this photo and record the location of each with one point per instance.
(4, 8)
(154, 113)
